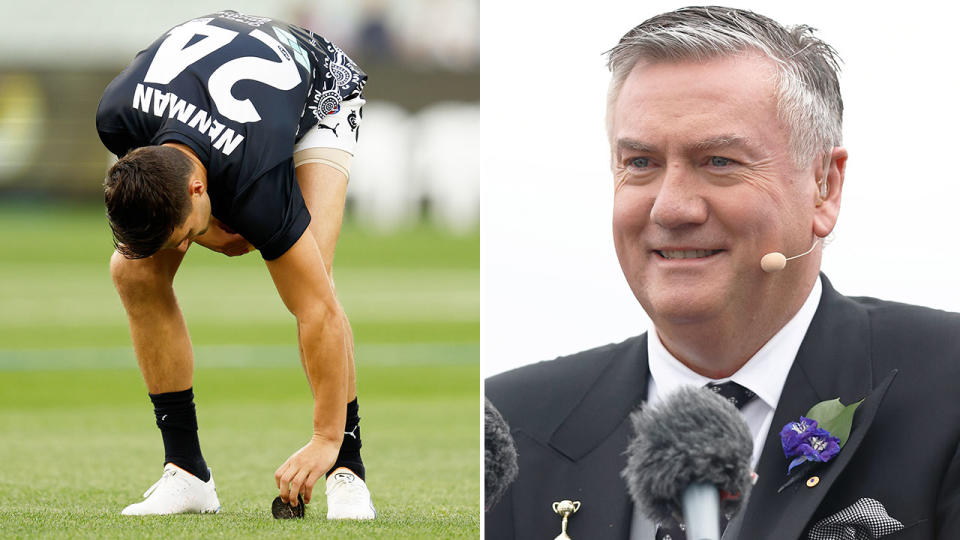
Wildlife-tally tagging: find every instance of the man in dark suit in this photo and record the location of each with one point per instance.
(725, 142)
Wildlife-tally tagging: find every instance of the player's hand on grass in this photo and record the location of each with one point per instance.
(304, 468)
(221, 239)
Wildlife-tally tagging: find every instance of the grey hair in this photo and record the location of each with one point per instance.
(807, 86)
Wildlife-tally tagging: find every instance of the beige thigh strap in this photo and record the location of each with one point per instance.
(334, 157)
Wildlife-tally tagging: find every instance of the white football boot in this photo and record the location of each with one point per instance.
(348, 496)
(177, 492)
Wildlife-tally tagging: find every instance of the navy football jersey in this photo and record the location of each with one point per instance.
(239, 90)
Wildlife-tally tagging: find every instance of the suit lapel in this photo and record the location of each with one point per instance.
(594, 436)
(834, 360)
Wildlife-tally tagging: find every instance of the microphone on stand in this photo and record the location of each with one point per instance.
(776, 261)
(500, 455)
(687, 449)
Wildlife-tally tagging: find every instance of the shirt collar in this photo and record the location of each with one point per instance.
(764, 374)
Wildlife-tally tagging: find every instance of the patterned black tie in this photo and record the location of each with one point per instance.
(738, 396)
(733, 392)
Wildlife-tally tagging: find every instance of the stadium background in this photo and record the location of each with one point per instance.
(78, 440)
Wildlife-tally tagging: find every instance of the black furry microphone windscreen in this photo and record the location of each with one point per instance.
(692, 436)
(500, 455)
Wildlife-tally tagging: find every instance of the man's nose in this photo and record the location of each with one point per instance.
(679, 201)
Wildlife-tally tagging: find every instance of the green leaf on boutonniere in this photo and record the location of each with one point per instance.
(834, 417)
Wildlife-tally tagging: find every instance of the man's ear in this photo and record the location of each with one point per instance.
(196, 187)
(828, 193)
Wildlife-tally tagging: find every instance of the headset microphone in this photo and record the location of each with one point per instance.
(776, 261)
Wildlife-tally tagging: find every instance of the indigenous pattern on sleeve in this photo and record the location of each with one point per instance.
(239, 90)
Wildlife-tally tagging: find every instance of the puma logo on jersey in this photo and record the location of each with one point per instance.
(333, 129)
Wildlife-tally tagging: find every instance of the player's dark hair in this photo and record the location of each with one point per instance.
(147, 196)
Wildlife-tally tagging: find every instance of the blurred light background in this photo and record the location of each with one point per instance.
(552, 284)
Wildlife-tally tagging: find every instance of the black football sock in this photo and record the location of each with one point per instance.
(177, 420)
(349, 455)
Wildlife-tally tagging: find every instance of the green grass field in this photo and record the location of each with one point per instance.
(77, 438)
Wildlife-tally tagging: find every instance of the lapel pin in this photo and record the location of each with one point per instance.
(813, 481)
(564, 508)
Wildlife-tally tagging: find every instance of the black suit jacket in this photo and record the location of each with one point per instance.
(569, 418)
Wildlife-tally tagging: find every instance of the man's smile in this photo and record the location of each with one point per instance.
(672, 254)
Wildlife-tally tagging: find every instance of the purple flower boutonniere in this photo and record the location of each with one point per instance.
(804, 441)
(819, 435)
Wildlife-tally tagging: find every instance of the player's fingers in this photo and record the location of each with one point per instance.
(278, 474)
(283, 484)
(308, 486)
(296, 486)
(285, 480)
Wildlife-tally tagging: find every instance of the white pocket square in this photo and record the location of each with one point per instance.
(865, 519)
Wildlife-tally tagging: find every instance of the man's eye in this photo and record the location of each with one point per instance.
(640, 162)
(718, 161)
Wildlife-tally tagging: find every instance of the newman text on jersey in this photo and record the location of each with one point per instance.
(224, 139)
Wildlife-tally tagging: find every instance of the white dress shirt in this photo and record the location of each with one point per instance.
(764, 374)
